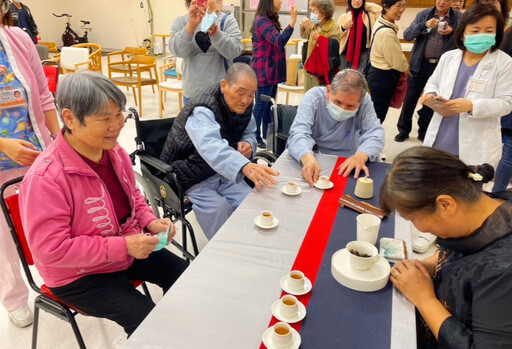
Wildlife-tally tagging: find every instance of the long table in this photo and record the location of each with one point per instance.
(223, 299)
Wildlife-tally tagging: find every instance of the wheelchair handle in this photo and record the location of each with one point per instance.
(266, 98)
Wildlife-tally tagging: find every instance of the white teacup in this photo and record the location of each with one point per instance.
(288, 306)
(296, 280)
(291, 187)
(364, 188)
(363, 255)
(267, 218)
(368, 227)
(323, 181)
(281, 335)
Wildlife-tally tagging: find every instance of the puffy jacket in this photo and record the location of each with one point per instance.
(180, 152)
(69, 218)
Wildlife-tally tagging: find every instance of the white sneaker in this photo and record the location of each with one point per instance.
(22, 317)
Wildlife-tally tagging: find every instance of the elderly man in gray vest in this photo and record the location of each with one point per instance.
(210, 146)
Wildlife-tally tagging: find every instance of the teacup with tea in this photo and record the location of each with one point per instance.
(363, 255)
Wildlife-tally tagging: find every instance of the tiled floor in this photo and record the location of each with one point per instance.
(100, 333)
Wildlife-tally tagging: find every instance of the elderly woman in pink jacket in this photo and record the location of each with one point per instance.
(28, 120)
(88, 242)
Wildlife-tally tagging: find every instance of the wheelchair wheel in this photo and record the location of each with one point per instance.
(143, 186)
(264, 158)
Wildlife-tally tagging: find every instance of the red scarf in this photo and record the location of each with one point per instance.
(353, 53)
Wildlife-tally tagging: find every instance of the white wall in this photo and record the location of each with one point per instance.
(120, 23)
(115, 23)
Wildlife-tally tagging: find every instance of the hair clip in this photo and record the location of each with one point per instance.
(477, 177)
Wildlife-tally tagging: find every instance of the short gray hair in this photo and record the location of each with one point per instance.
(351, 81)
(239, 69)
(326, 7)
(87, 93)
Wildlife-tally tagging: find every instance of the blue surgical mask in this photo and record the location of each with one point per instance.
(313, 17)
(479, 43)
(338, 113)
(208, 21)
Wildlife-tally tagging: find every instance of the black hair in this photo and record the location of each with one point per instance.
(472, 15)
(266, 9)
(503, 5)
(387, 4)
(419, 175)
(350, 8)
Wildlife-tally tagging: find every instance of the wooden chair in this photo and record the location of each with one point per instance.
(52, 47)
(114, 67)
(94, 56)
(172, 85)
(137, 65)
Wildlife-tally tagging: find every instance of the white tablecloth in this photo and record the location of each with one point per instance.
(223, 299)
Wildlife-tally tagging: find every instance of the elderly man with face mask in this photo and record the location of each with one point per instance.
(210, 146)
(339, 120)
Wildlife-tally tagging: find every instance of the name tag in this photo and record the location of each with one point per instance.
(477, 85)
(12, 97)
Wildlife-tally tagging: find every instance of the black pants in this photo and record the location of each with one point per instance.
(112, 295)
(415, 86)
(382, 85)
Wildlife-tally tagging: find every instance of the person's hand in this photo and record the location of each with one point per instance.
(211, 6)
(310, 169)
(306, 23)
(195, 16)
(432, 23)
(159, 225)
(245, 149)
(414, 281)
(426, 97)
(293, 14)
(408, 73)
(447, 31)
(459, 105)
(315, 35)
(21, 152)
(356, 162)
(348, 25)
(260, 174)
(140, 246)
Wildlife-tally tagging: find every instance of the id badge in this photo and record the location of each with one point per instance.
(477, 85)
(12, 98)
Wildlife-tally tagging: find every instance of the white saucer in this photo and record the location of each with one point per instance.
(329, 186)
(369, 280)
(299, 190)
(284, 286)
(267, 339)
(300, 315)
(273, 225)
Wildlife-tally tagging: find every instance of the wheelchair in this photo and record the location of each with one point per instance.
(166, 200)
(278, 131)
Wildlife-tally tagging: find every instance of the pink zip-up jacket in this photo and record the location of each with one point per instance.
(26, 65)
(69, 218)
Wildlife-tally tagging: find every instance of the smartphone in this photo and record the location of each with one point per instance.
(441, 25)
(202, 3)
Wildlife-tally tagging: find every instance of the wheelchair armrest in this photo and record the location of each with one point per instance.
(155, 163)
